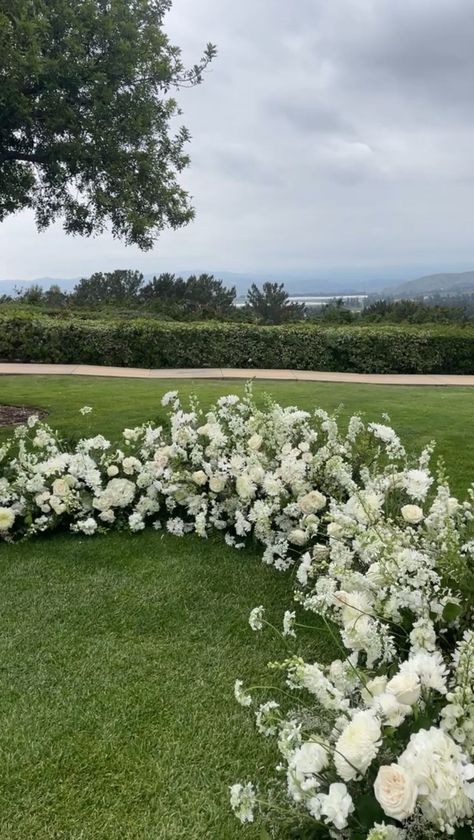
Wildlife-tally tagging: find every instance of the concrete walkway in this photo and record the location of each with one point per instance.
(236, 373)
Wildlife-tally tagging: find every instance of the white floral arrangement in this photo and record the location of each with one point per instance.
(378, 743)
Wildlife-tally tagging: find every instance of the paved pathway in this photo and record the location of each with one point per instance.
(237, 373)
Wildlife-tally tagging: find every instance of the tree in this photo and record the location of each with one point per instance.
(114, 287)
(271, 305)
(202, 296)
(85, 116)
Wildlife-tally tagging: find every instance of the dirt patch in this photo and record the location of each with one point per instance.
(11, 415)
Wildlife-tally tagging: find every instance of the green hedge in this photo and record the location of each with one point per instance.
(140, 343)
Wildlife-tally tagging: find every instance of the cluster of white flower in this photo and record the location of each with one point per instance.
(389, 728)
(381, 739)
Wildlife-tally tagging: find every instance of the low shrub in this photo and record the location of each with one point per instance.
(156, 344)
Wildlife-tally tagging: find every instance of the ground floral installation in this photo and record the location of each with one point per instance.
(378, 743)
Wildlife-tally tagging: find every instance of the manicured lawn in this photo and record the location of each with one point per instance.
(118, 654)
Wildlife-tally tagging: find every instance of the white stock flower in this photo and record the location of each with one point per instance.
(256, 618)
(242, 698)
(267, 719)
(243, 801)
(289, 623)
(395, 791)
(357, 745)
(381, 831)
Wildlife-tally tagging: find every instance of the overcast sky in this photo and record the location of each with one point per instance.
(329, 134)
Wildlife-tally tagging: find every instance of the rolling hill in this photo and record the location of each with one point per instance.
(442, 284)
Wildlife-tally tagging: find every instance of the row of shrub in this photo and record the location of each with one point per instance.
(141, 343)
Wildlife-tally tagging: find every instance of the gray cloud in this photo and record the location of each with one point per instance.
(326, 135)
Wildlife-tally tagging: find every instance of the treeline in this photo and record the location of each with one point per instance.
(203, 297)
(433, 310)
(169, 297)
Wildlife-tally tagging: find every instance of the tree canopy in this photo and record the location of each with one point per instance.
(271, 304)
(86, 116)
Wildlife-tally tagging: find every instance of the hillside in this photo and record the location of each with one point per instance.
(443, 284)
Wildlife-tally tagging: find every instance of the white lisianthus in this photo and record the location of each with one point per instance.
(405, 687)
(255, 442)
(358, 745)
(412, 514)
(395, 791)
(336, 805)
(304, 768)
(390, 710)
(312, 502)
(7, 518)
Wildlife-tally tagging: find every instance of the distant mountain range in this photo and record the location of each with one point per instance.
(303, 284)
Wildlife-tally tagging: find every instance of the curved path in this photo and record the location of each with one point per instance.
(238, 373)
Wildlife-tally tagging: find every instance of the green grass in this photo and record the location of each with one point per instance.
(118, 654)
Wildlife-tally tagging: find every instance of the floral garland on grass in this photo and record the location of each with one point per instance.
(378, 744)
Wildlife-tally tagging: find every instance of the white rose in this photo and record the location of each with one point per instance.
(406, 687)
(57, 505)
(112, 471)
(217, 483)
(61, 487)
(7, 518)
(412, 514)
(255, 442)
(199, 477)
(373, 688)
(130, 465)
(297, 536)
(335, 531)
(395, 791)
(312, 502)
